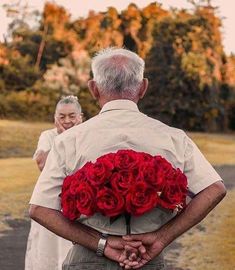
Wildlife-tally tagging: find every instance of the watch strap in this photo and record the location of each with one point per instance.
(101, 245)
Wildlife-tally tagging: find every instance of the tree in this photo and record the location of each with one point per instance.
(184, 88)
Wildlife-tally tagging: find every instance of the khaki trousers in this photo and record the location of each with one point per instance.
(81, 258)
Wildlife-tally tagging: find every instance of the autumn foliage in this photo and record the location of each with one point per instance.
(192, 80)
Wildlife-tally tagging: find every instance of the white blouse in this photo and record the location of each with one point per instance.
(45, 250)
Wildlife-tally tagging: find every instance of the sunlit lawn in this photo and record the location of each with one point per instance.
(211, 245)
(17, 178)
(219, 149)
(18, 138)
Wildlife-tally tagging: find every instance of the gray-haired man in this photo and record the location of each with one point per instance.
(118, 85)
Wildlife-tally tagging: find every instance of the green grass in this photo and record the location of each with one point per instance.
(18, 138)
(214, 246)
(17, 179)
(219, 149)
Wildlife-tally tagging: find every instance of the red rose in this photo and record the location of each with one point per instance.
(145, 157)
(109, 202)
(66, 183)
(76, 178)
(99, 172)
(121, 181)
(161, 162)
(85, 199)
(108, 157)
(163, 170)
(175, 191)
(140, 199)
(126, 159)
(68, 205)
(80, 175)
(150, 173)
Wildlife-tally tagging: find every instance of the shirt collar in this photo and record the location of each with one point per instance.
(120, 104)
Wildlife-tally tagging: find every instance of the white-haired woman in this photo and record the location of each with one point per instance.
(45, 250)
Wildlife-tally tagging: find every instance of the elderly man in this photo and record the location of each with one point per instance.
(118, 85)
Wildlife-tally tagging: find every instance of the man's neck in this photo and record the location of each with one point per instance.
(102, 102)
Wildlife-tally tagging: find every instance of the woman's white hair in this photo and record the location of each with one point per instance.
(118, 71)
(70, 100)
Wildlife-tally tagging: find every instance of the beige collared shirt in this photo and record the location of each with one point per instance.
(120, 125)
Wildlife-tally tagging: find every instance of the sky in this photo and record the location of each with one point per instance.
(80, 8)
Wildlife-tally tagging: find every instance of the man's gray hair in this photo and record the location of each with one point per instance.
(118, 71)
(70, 100)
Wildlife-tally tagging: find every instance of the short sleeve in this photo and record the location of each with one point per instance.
(199, 171)
(44, 144)
(48, 187)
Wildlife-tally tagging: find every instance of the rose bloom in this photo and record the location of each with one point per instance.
(98, 174)
(175, 190)
(77, 178)
(67, 182)
(141, 199)
(152, 173)
(126, 159)
(107, 157)
(85, 199)
(121, 181)
(144, 157)
(165, 166)
(110, 203)
(68, 205)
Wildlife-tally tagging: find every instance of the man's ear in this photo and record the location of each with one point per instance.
(93, 89)
(143, 88)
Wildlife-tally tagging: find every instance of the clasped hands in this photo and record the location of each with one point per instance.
(133, 251)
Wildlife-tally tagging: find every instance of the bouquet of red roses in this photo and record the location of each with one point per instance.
(126, 182)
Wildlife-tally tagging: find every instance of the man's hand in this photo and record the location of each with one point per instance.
(151, 247)
(115, 250)
(195, 211)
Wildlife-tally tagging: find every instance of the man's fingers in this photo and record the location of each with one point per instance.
(130, 263)
(132, 257)
(135, 244)
(127, 237)
(133, 237)
(134, 248)
(142, 249)
(122, 258)
(141, 264)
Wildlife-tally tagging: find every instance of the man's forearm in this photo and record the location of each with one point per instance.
(196, 210)
(54, 221)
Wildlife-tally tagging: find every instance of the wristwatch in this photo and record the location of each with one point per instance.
(101, 245)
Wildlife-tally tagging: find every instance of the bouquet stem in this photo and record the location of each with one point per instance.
(128, 223)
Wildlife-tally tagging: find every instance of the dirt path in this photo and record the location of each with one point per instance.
(13, 243)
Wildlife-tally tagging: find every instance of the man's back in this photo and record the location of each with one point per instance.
(120, 125)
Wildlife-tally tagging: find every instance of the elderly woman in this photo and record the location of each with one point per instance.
(45, 250)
